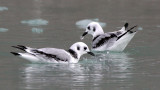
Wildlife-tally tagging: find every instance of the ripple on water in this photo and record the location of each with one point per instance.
(3, 29)
(83, 23)
(35, 22)
(3, 8)
(37, 30)
(90, 71)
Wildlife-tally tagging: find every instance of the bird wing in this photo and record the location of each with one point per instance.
(122, 30)
(51, 54)
(108, 39)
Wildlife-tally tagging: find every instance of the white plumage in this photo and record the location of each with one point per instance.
(53, 55)
(112, 41)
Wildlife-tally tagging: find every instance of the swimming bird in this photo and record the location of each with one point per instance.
(53, 55)
(111, 41)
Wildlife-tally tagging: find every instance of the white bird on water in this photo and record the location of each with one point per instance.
(54, 55)
(111, 41)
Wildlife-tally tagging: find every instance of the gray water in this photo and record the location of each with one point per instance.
(59, 23)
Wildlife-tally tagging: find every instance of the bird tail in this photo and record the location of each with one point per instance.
(21, 47)
(15, 53)
(124, 28)
(129, 30)
(27, 56)
(126, 25)
(24, 48)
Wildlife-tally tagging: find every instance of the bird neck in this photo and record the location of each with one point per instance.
(94, 38)
(98, 32)
(73, 54)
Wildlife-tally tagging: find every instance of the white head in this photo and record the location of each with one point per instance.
(94, 29)
(80, 48)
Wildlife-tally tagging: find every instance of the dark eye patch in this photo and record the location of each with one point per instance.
(88, 28)
(85, 48)
(94, 29)
(78, 48)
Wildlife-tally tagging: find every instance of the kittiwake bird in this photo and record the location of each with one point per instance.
(53, 55)
(111, 41)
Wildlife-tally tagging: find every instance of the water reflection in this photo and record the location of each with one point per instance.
(88, 72)
(83, 23)
(41, 75)
(118, 63)
(3, 8)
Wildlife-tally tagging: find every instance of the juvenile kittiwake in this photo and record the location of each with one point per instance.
(54, 55)
(111, 41)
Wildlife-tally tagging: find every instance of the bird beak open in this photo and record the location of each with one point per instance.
(85, 33)
(91, 53)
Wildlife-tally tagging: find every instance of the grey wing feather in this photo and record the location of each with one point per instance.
(118, 33)
(53, 54)
(108, 39)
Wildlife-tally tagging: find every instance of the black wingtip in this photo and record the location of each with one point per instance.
(14, 53)
(15, 47)
(126, 25)
(22, 46)
(132, 28)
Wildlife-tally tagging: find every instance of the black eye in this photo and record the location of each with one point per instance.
(94, 29)
(88, 28)
(85, 48)
(78, 48)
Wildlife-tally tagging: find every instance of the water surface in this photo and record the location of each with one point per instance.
(52, 23)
